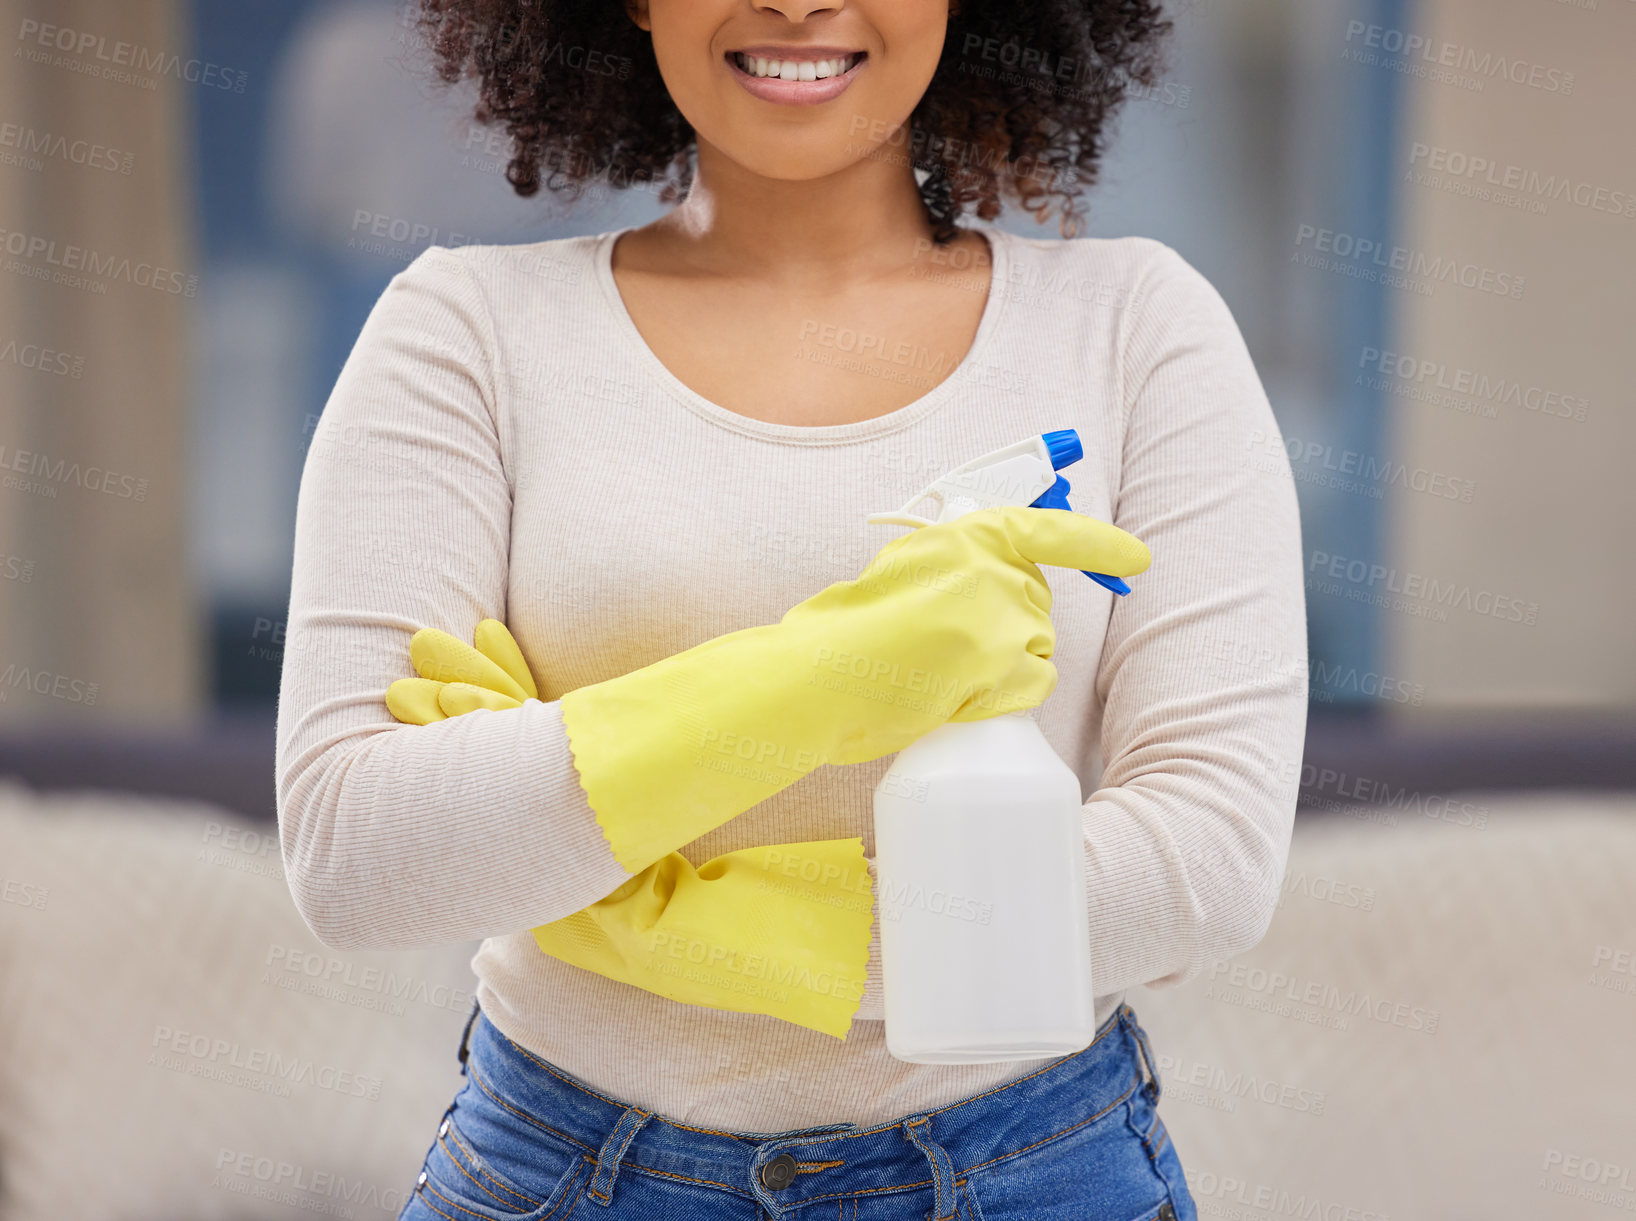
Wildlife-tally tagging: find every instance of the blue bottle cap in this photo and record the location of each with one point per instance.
(1064, 447)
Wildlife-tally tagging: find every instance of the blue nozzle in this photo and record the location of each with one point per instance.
(1064, 447)
(1103, 579)
(1062, 444)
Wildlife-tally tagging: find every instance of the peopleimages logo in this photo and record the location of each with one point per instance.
(326, 975)
(1265, 667)
(1382, 472)
(259, 1068)
(80, 266)
(30, 141)
(1456, 380)
(896, 570)
(1320, 785)
(47, 682)
(1267, 1198)
(1482, 171)
(895, 899)
(283, 1182)
(42, 359)
(1440, 53)
(890, 682)
(1292, 989)
(43, 473)
(91, 53)
(1613, 970)
(1365, 575)
(1589, 1169)
(756, 974)
(763, 752)
(1237, 1084)
(1323, 889)
(1396, 266)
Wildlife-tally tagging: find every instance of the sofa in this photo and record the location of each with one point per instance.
(1439, 1022)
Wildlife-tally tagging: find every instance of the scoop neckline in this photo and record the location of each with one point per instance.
(999, 242)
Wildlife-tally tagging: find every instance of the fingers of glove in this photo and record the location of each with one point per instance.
(1026, 686)
(414, 700)
(1037, 591)
(458, 698)
(495, 641)
(839, 594)
(1072, 540)
(439, 656)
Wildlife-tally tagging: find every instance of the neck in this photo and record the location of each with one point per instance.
(849, 224)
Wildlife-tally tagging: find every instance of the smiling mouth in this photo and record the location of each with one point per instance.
(772, 68)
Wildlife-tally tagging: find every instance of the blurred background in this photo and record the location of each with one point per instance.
(1423, 216)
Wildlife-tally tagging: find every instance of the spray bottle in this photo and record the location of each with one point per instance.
(979, 845)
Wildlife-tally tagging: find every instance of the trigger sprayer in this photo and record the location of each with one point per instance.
(979, 844)
(1020, 474)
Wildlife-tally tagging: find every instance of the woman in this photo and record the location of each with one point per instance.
(649, 452)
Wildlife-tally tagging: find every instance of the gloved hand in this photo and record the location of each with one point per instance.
(949, 622)
(457, 677)
(782, 930)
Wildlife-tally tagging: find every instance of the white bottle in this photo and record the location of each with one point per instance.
(979, 847)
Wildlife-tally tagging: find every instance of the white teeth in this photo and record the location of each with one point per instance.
(794, 69)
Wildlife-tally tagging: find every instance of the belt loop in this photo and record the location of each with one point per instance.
(919, 1130)
(1154, 1088)
(465, 1037)
(613, 1150)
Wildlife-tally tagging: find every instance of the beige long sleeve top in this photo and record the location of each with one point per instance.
(502, 443)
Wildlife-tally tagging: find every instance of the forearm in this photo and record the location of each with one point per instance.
(466, 828)
(394, 834)
(1183, 865)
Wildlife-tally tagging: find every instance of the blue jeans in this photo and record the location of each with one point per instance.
(1078, 1140)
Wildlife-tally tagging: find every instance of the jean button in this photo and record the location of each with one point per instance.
(779, 1173)
(1167, 1213)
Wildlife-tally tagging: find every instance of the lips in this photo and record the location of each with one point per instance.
(795, 76)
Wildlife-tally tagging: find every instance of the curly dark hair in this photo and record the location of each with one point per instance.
(1021, 103)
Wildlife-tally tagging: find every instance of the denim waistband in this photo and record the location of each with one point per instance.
(921, 1149)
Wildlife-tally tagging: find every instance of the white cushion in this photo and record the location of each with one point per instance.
(168, 916)
(1507, 933)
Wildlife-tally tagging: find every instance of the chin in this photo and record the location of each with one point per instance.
(775, 150)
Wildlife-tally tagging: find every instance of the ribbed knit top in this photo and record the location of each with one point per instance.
(502, 443)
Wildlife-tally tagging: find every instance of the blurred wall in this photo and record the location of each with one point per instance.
(1490, 425)
(1516, 390)
(1257, 131)
(97, 614)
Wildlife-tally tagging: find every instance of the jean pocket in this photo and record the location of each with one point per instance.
(500, 1170)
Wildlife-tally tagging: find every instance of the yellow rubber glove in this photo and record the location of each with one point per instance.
(781, 930)
(949, 622)
(456, 677)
